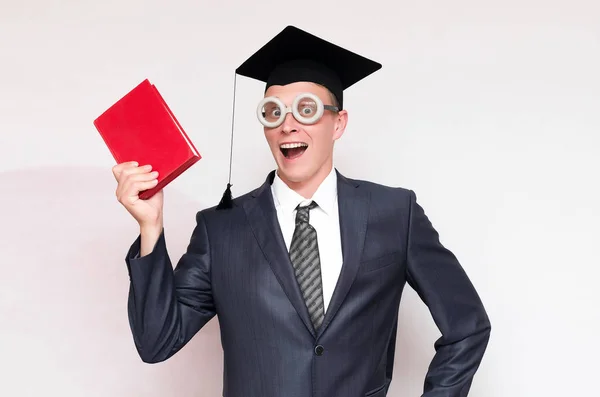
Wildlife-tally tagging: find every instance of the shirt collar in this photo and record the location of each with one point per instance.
(325, 196)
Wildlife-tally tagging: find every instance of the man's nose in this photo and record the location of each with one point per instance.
(289, 125)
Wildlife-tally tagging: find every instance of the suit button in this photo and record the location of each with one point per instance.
(319, 350)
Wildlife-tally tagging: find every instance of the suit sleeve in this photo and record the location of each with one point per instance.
(440, 281)
(166, 306)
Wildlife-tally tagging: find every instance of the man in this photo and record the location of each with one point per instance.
(306, 272)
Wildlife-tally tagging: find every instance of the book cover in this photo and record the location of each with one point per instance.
(141, 127)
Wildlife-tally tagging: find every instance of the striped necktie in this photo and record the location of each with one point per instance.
(304, 254)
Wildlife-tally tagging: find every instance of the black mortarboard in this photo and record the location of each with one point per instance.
(295, 55)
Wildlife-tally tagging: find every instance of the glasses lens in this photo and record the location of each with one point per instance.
(271, 111)
(307, 107)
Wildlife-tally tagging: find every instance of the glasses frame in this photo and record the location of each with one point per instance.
(293, 109)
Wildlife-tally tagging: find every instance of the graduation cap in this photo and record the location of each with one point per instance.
(295, 55)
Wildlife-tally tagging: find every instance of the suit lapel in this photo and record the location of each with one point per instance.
(353, 205)
(263, 220)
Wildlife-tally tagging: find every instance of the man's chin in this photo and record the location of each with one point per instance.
(293, 175)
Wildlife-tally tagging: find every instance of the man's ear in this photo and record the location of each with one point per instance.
(340, 124)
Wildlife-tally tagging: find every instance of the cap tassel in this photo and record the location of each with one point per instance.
(227, 200)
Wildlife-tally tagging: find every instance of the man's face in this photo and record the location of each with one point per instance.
(314, 158)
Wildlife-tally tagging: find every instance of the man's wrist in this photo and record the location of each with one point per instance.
(149, 235)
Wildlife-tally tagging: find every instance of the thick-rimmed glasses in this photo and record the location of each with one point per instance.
(307, 108)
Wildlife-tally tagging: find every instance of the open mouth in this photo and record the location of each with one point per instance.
(293, 150)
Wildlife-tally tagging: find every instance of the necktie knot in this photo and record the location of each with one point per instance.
(302, 212)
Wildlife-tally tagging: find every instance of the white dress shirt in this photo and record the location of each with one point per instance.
(324, 218)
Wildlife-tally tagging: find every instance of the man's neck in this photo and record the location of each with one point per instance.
(308, 188)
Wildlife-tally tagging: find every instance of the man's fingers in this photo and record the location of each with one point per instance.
(118, 168)
(135, 170)
(144, 185)
(136, 183)
(132, 194)
(141, 177)
(129, 168)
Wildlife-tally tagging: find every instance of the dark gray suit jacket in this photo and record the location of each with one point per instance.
(237, 267)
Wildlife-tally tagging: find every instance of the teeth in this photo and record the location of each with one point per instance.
(293, 145)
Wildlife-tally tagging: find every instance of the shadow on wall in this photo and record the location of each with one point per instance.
(64, 287)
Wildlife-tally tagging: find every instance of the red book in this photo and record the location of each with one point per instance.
(141, 127)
